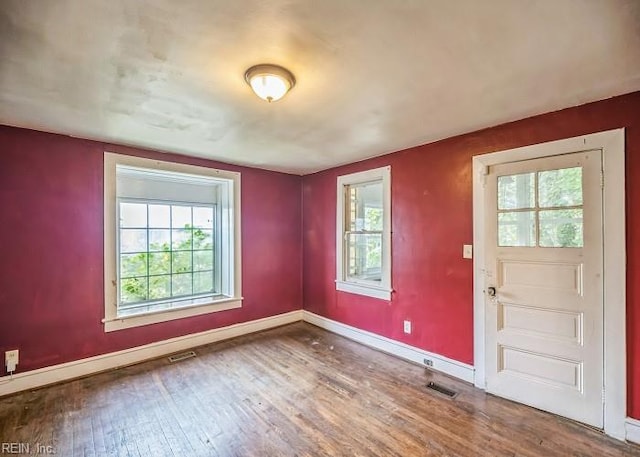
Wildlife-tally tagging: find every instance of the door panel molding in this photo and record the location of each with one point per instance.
(611, 143)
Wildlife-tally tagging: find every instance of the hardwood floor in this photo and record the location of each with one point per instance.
(292, 391)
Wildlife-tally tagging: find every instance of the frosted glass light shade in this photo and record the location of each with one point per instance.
(269, 82)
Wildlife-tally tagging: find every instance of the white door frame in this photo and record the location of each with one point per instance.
(612, 145)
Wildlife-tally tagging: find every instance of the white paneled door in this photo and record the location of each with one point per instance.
(544, 294)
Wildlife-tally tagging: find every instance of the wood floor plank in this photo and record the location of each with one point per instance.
(292, 391)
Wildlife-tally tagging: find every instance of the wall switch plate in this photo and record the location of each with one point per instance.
(11, 360)
(407, 326)
(467, 251)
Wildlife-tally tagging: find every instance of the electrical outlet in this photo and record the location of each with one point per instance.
(467, 251)
(407, 326)
(11, 360)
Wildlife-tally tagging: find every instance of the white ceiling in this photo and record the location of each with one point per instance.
(373, 76)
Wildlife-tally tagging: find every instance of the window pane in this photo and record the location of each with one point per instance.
(159, 216)
(560, 187)
(181, 239)
(159, 287)
(181, 262)
(133, 290)
(133, 240)
(517, 228)
(181, 284)
(202, 260)
(133, 215)
(516, 191)
(180, 216)
(133, 265)
(364, 256)
(203, 282)
(203, 217)
(364, 207)
(156, 262)
(561, 228)
(159, 263)
(202, 239)
(159, 240)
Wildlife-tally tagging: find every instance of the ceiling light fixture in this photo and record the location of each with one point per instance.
(270, 82)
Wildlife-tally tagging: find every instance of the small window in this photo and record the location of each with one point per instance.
(364, 233)
(171, 241)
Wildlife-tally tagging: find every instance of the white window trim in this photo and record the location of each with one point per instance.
(111, 320)
(382, 291)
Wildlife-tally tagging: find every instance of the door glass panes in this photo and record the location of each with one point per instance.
(516, 191)
(541, 209)
(517, 228)
(561, 228)
(558, 188)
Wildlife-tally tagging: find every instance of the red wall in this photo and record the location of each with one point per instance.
(51, 252)
(51, 235)
(431, 188)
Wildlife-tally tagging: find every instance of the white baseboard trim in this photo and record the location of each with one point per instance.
(404, 351)
(632, 427)
(77, 368)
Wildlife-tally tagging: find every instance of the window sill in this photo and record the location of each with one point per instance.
(163, 315)
(364, 289)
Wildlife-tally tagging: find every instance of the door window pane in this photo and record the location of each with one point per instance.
(560, 228)
(561, 187)
(516, 191)
(517, 228)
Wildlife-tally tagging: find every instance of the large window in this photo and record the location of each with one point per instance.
(363, 233)
(171, 241)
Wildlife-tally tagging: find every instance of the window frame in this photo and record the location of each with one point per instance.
(231, 295)
(383, 289)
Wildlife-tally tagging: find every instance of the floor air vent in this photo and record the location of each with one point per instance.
(443, 390)
(181, 356)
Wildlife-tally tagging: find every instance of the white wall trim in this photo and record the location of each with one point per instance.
(404, 351)
(77, 368)
(612, 145)
(632, 427)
